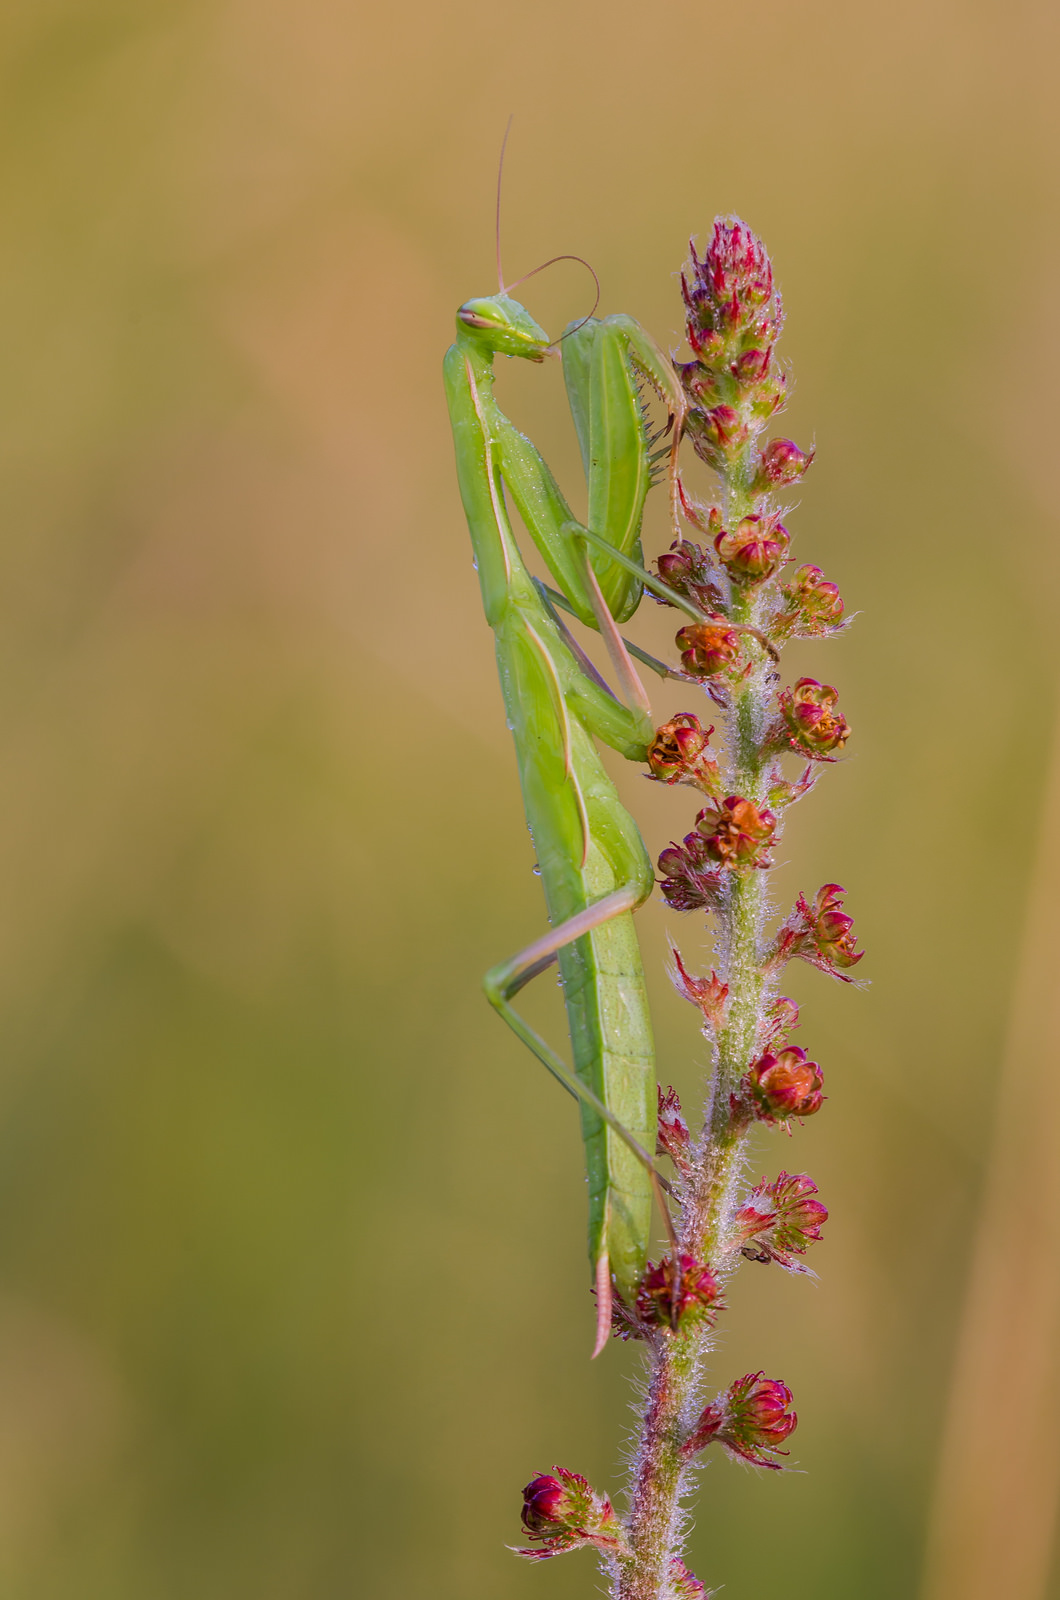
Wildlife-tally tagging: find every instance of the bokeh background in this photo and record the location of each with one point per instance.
(293, 1295)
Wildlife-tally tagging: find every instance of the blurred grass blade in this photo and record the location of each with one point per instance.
(993, 1520)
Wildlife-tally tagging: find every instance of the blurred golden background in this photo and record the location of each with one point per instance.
(293, 1294)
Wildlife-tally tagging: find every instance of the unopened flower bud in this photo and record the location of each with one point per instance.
(706, 518)
(785, 1085)
(709, 994)
(698, 1297)
(678, 753)
(708, 345)
(737, 833)
(821, 934)
(675, 565)
(717, 433)
(731, 287)
(813, 724)
(782, 1018)
(708, 648)
(734, 320)
(833, 930)
(699, 379)
(754, 549)
(672, 860)
(768, 397)
(751, 1420)
(548, 1504)
(691, 571)
(673, 1138)
(781, 793)
(562, 1511)
(689, 883)
(782, 463)
(813, 607)
(780, 1220)
(751, 366)
(684, 1585)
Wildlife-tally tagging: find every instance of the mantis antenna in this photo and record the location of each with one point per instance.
(502, 287)
(551, 263)
(500, 177)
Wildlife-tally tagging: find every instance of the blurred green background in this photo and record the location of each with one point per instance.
(293, 1296)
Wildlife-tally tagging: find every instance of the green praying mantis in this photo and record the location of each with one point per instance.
(592, 861)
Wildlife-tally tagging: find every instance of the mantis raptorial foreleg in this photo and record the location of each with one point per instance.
(605, 364)
(593, 863)
(602, 360)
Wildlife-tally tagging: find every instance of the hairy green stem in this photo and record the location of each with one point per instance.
(660, 1469)
(675, 1384)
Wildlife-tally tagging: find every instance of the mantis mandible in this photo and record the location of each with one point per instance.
(593, 863)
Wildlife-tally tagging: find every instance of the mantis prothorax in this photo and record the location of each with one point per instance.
(593, 863)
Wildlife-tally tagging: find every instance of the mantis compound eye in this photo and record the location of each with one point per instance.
(471, 319)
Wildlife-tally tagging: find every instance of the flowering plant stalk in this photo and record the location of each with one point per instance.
(735, 565)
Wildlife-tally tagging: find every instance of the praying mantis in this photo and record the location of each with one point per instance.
(592, 861)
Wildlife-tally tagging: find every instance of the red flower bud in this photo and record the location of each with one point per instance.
(678, 753)
(734, 320)
(782, 1018)
(547, 1504)
(562, 1511)
(675, 566)
(723, 425)
(754, 549)
(833, 930)
(688, 883)
(737, 833)
(684, 1585)
(780, 1220)
(698, 1295)
(691, 570)
(813, 607)
(813, 725)
(785, 1085)
(782, 793)
(673, 1138)
(706, 518)
(707, 345)
(732, 285)
(751, 366)
(821, 934)
(751, 1420)
(708, 648)
(701, 383)
(782, 463)
(709, 994)
(768, 397)
(716, 433)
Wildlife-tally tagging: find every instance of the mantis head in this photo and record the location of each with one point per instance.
(501, 325)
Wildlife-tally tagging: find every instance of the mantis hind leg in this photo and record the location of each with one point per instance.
(501, 984)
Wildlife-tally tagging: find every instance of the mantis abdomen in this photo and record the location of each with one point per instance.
(588, 847)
